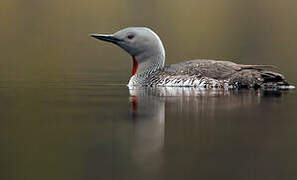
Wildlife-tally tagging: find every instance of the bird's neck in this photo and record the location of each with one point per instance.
(142, 68)
(149, 65)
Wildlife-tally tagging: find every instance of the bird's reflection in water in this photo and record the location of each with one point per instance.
(188, 106)
(149, 103)
(148, 115)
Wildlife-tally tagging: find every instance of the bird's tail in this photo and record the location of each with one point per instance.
(273, 80)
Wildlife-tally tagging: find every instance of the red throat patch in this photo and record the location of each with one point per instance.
(135, 65)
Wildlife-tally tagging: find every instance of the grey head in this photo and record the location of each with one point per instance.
(141, 43)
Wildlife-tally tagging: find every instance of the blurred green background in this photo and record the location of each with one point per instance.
(58, 122)
(47, 37)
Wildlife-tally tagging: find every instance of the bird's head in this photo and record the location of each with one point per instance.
(140, 42)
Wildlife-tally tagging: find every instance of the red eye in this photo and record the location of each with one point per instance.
(130, 36)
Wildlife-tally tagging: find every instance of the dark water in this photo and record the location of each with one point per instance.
(79, 127)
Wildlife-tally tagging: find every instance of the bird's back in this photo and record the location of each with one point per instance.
(216, 74)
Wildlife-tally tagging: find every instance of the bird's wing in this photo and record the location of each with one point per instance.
(205, 68)
(245, 75)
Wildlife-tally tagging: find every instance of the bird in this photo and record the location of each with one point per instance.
(149, 69)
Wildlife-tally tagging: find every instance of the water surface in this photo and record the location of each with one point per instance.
(79, 127)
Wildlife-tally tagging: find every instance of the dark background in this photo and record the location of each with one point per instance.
(49, 37)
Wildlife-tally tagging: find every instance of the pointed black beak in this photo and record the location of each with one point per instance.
(106, 37)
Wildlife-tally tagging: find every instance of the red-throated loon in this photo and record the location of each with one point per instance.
(148, 56)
